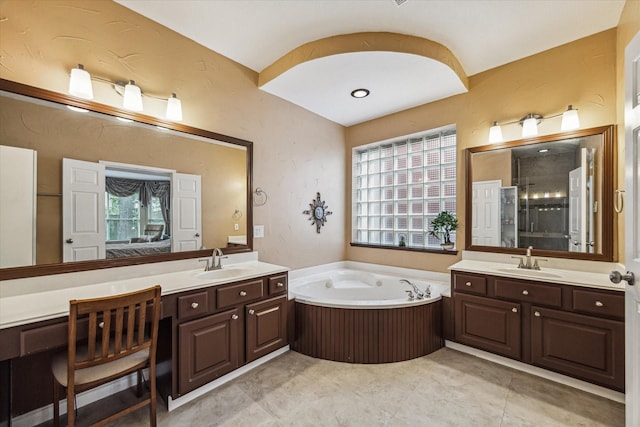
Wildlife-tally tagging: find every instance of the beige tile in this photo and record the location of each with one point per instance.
(446, 388)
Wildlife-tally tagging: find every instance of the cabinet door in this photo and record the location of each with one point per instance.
(266, 327)
(488, 324)
(208, 349)
(584, 347)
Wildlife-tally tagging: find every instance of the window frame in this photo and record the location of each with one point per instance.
(412, 205)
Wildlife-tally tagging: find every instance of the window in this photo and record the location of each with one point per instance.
(400, 186)
(126, 217)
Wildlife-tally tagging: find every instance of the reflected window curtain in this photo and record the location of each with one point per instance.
(122, 187)
(162, 190)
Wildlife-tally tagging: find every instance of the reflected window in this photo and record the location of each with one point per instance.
(122, 216)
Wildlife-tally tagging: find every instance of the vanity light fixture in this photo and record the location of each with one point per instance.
(530, 122)
(80, 86)
(360, 93)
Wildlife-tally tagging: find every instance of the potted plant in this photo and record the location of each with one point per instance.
(442, 226)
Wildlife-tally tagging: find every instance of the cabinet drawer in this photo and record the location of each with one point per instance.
(600, 303)
(229, 296)
(193, 305)
(277, 284)
(549, 295)
(470, 284)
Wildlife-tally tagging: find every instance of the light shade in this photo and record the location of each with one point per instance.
(132, 97)
(174, 108)
(570, 119)
(80, 83)
(495, 133)
(530, 126)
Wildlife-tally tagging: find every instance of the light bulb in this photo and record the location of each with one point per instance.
(80, 83)
(174, 108)
(132, 97)
(570, 120)
(495, 133)
(530, 126)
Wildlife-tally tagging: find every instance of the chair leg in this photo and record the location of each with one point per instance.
(71, 415)
(139, 388)
(152, 396)
(56, 404)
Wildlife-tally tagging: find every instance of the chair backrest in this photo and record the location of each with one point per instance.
(118, 326)
(154, 231)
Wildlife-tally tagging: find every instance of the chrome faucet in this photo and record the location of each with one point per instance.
(418, 292)
(216, 259)
(527, 263)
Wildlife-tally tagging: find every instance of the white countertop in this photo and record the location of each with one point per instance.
(589, 279)
(50, 303)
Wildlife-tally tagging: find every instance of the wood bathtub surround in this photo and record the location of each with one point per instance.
(368, 335)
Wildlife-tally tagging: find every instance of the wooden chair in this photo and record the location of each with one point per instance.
(119, 338)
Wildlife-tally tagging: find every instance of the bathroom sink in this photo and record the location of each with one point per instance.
(529, 273)
(225, 273)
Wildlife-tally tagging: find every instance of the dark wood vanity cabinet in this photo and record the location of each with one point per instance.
(488, 324)
(220, 328)
(571, 330)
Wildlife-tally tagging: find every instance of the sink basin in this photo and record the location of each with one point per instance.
(529, 273)
(225, 273)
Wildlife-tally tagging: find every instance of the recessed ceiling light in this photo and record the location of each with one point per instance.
(360, 93)
(543, 150)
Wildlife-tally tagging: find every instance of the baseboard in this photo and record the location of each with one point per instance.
(44, 414)
(534, 370)
(176, 403)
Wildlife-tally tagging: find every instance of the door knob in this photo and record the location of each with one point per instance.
(616, 277)
(197, 234)
(69, 240)
(234, 316)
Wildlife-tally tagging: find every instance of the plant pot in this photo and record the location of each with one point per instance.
(447, 246)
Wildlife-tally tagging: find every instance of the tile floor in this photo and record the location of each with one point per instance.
(446, 388)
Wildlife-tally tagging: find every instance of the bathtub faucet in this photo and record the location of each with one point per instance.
(418, 292)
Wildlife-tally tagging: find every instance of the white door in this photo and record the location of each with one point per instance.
(485, 208)
(186, 206)
(632, 230)
(577, 208)
(17, 206)
(83, 205)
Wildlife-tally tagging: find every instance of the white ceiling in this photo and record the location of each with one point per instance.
(482, 34)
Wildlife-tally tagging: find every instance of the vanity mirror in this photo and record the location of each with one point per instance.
(162, 191)
(554, 193)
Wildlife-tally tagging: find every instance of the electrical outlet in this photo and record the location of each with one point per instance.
(236, 227)
(258, 231)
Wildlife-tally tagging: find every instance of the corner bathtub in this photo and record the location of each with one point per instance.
(356, 316)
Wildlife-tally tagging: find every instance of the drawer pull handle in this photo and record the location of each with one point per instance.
(194, 305)
(537, 314)
(243, 294)
(514, 309)
(101, 325)
(468, 284)
(252, 311)
(599, 304)
(280, 285)
(234, 317)
(525, 292)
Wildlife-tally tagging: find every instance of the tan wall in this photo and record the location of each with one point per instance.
(581, 73)
(494, 165)
(628, 27)
(296, 153)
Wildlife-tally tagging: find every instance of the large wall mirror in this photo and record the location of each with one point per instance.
(553, 193)
(105, 187)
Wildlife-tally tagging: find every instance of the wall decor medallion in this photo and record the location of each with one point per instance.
(318, 212)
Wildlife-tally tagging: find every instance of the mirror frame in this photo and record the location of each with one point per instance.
(70, 267)
(606, 204)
